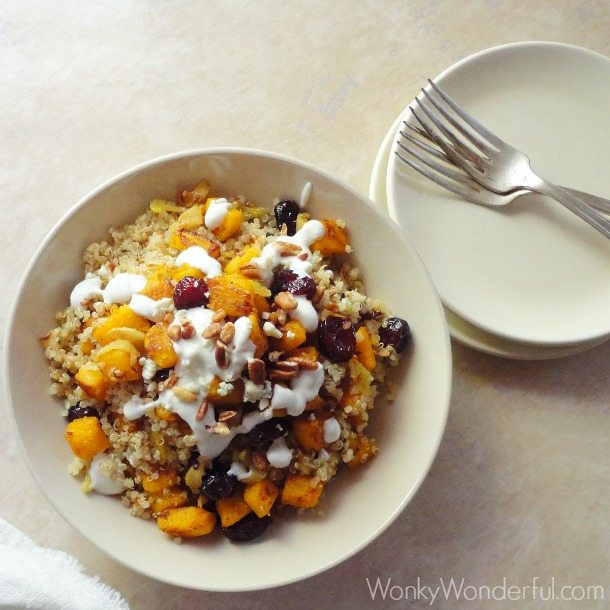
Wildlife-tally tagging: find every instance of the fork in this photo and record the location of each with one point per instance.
(422, 155)
(492, 162)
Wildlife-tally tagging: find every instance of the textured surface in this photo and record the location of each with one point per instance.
(520, 486)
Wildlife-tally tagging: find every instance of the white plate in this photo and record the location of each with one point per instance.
(460, 329)
(531, 271)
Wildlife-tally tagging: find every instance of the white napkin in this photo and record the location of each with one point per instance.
(34, 577)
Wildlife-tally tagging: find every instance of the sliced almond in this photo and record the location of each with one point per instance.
(174, 332)
(251, 271)
(285, 248)
(274, 356)
(256, 371)
(203, 409)
(304, 364)
(212, 331)
(219, 315)
(184, 394)
(188, 330)
(227, 333)
(221, 355)
(286, 301)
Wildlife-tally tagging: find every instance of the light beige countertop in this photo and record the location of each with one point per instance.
(521, 486)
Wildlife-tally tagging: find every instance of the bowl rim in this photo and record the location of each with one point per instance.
(435, 439)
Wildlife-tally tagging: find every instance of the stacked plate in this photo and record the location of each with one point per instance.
(528, 280)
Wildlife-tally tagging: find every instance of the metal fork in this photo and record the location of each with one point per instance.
(489, 160)
(423, 156)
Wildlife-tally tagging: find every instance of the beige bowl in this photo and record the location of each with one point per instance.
(359, 504)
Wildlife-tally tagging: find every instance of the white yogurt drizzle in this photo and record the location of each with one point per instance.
(332, 430)
(197, 257)
(303, 388)
(118, 290)
(305, 195)
(279, 454)
(100, 480)
(270, 258)
(149, 308)
(216, 213)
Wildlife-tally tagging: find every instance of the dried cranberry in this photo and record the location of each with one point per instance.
(77, 412)
(286, 213)
(269, 430)
(336, 338)
(217, 486)
(247, 528)
(285, 280)
(395, 332)
(190, 292)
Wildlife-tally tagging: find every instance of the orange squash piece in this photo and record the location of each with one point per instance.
(230, 225)
(233, 399)
(301, 492)
(158, 347)
(158, 283)
(92, 381)
(309, 433)
(293, 336)
(187, 521)
(334, 240)
(236, 294)
(86, 437)
(119, 361)
(243, 258)
(258, 337)
(364, 349)
(183, 239)
(260, 496)
(232, 509)
(121, 317)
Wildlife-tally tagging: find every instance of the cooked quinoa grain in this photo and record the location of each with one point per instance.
(223, 366)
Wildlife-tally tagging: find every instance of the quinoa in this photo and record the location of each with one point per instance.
(104, 355)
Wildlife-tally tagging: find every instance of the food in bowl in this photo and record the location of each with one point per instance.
(218, 363)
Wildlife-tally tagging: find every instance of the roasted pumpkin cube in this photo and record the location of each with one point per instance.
(121, 317)
(359, 384)
(135, 337)
(158, 347)
(92, 381)
(183, 239)
(293, 335)
(309, 433)
(260, 496)
(163, 479)
(363, 449)
(364, 348)
(232, 509)
(119, 361)
(178, 273)
(301, 491)
(235, 294)
(258, 337)
(334, 240)
(230, 225)
(158, 283)
(233, 398)
(187, 521)
(86, 437)
(175, 498)
(317, 402)
(243, 258)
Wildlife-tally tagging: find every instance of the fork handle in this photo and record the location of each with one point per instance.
(578, 207)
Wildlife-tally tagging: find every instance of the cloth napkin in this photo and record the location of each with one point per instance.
(35, 577)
